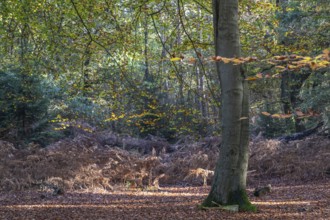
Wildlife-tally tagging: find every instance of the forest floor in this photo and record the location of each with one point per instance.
(286, 201)
(103, 176)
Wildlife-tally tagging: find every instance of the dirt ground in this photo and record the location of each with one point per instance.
(286, 201)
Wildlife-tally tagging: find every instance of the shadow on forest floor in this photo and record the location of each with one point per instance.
(286, 201)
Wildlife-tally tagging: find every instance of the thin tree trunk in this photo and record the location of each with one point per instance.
(200, 76)
(146, 60)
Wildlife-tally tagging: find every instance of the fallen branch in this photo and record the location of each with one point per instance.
(300, 135)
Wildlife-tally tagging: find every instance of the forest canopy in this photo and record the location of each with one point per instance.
(148, 67)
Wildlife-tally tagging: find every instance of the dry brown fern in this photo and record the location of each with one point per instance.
(204, 173)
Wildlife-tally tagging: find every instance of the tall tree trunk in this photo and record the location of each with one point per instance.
(146, 59)
(200, 75)
(86, 69)
(229, 183)
(291, 82)
(178, 42)
(148, 78)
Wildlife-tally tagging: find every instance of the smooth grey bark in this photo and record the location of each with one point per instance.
(229, 183)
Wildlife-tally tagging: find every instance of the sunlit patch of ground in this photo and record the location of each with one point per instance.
(309, 201)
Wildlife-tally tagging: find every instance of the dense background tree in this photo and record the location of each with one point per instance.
(146, 67)
(24, 103)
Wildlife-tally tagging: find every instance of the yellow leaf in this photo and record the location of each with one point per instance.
(225, 60)
(290, 67)
(280, 57)
(305, 116)
(276, 116)
(218, 58)
(313, 65)
(175, 59)
(251, 59)
(319, 56)
(237, 61)
(266, 113)
(324, 63)
(253, 78)
(276, 75)
(286, 115)
(326, 53)
(272, 63)
(299, 113)
(192, 60)
(243, 118)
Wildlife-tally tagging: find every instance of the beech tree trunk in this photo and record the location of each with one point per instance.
(229, 183)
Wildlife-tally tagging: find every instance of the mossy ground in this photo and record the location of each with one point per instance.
(238, 197)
